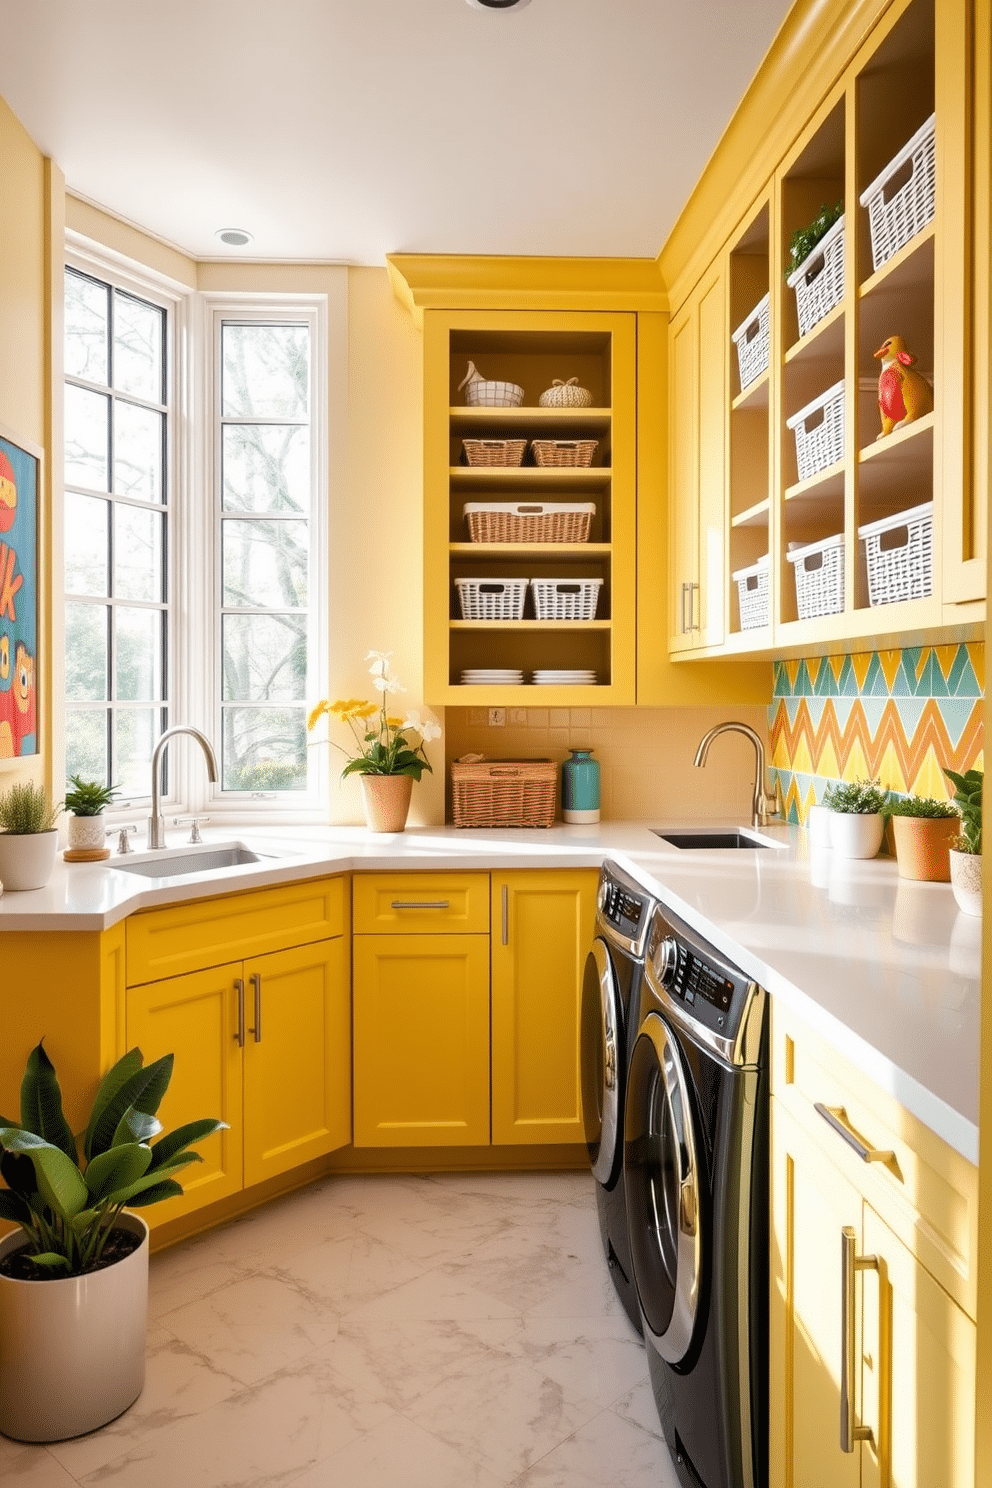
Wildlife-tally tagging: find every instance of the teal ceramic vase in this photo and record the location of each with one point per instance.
(580, 787)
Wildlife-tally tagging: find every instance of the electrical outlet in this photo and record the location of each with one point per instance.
(518, 715)
(497, 717)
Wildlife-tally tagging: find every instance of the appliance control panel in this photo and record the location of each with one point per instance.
(712, 992)
(623, 910)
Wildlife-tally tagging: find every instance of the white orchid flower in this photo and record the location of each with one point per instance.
(380, 663)
(385, 683)
(427, 727)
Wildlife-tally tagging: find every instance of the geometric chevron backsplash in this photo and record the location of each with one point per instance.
(896, 716)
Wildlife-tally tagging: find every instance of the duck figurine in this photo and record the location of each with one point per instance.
(904, 395)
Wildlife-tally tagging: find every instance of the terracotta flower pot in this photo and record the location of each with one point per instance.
(966, 881)
(387, 800)
(923, 846)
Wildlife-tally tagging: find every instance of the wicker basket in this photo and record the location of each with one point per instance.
(528, 521)
(819, 280)
(563, 451)
(566, 395)
(752, 342)
(565, 599)
(481, 392)
(896, 216)
(899, 555)
(491, 599)
(494, 451)
(753, 594)
(819, 571)
(503, 793)
(819, 441)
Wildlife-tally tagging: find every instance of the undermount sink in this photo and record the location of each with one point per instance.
(709, 839)
(176, 861)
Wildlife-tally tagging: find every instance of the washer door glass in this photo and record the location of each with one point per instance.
(601, 1032)
(663, 1190)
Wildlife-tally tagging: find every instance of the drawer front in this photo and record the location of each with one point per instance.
(421, 903)
(188, 937)
(924, 1190)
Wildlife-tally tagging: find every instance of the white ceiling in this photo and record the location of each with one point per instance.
(344, 130)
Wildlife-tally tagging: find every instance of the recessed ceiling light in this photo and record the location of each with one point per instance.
(234, 237)
(498, 4)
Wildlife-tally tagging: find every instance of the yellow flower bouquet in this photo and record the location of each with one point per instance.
(381, 743)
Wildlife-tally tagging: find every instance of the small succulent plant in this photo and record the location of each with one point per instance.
(88, 797)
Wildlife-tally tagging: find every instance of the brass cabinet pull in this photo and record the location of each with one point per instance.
(836, 1117)
(419, 904)
(850, 1263)
(239, 1037)
(256, 982)
(506, 914)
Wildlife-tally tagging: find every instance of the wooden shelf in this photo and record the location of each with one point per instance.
(755, 395)
(529, 477)
(825, 483)
(824, 340)
(901, 446)
(523, 551)
(911, 265)
(531, 625)
(753, 516)
(574, 420)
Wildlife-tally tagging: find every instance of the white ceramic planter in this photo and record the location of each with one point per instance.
(72, 1352)
(856, 834)
(966, 881)
(87, 833)
(26, 861)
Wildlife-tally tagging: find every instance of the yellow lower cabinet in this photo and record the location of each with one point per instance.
(421, 1016)
(265, 1045)
(542, 925)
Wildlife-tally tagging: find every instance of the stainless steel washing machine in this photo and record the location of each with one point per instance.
(696, 1179)
(611, 992)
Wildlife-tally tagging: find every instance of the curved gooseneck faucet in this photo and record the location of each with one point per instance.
(764, 807)
(156, 822)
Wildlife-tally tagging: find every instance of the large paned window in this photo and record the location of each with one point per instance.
(116, 527)
(264, 533)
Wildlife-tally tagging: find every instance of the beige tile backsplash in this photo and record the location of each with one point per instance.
(645, 754)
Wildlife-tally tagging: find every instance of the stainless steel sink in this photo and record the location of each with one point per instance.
(709, 839)
(178, 861)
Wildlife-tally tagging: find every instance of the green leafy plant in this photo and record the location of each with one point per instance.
(805, 239)
(920, 806)
(381, 743)
(88, 797)
(968, 799)
(68, 1206)
(856, 797)
(26, 810)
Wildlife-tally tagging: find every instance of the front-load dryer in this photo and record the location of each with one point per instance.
(696, 1176)
(611, 992)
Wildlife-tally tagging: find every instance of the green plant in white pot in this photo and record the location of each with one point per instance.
(857, 820)
(28, 836)
(966, 854)
(86, 801)
(74, 1277)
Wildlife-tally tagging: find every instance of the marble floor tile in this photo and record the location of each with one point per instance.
(339, 1275)
(605, 1453)
(404, 1360)
(398, 1454)
(597, 1358)
(436, 1294)
(638, 1405)
(31, 1467)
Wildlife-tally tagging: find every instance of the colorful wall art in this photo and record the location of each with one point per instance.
(18, 600)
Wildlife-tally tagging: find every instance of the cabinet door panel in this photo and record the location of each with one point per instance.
(684, 486)
(712, 393)
(298, 1074)
(195, 1017)
(421, 1044)
(536, 991)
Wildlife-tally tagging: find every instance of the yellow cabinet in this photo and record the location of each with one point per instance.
(542, 931)
(872, 1285)
(698, 466)
(264, 1043)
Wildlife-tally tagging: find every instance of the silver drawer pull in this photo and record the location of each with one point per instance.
(836, 1117)
(239, 1036)
(850, 1264)
(420, 904)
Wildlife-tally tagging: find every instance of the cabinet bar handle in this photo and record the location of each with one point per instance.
(506, 914)
(685, 627)
(693, 623)
(256, 982)
(850, 1263)
(239, 1037)
(836, 1117)
(420, 904)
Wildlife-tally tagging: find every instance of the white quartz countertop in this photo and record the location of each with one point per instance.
(885, 969)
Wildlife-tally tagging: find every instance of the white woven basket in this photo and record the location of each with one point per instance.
(752, 342)
(899, 555)
(819, 431)
(481, 392)
(753, 594)
(565, 599)
(819, 280)
(819, 572)
(492, 599)
(566, 395)
(897, 215)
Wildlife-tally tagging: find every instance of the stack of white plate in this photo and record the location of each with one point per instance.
(565, 679)
(494, 677)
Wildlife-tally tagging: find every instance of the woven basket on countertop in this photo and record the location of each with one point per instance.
(503, 793)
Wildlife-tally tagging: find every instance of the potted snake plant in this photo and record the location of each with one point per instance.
(74, 1274)
(966, 854)
(28, 836)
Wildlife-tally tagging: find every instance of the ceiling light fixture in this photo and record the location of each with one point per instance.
(234, 237)
(498, 4)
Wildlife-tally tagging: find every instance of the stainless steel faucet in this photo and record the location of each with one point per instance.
(764, 807)
(156, 822)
